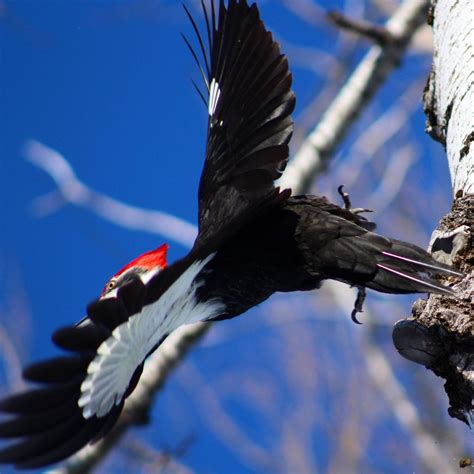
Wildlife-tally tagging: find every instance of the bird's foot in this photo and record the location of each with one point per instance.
(347, 202)
(358, 304)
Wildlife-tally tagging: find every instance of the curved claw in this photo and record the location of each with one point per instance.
(347, 202)
(358, 304)
(354, 316)
(345, 197)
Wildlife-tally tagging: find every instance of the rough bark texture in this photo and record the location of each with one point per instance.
(441, 333)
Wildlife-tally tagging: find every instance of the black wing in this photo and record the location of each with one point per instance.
(48, 420)
(249, 104)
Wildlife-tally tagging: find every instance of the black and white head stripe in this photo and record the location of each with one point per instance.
(144, 274)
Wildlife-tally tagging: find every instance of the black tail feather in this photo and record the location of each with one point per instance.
(406, 268)
(340, 246)
(419, 283)
(431, 266)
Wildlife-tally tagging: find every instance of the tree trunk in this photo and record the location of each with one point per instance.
(440, 334)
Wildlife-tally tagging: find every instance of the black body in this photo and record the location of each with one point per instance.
(264, 240)
(296, 245)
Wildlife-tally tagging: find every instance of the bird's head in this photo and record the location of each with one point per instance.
(145, 267)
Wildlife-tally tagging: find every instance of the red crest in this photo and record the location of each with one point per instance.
(152, 259)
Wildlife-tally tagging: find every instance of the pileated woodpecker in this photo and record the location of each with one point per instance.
(254, 240)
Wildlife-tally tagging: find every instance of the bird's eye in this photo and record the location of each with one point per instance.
(110, 285)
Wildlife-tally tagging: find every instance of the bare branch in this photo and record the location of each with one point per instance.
(378, 133)
(72, 190)
(376, 33)
(312, 158)
(381, 373)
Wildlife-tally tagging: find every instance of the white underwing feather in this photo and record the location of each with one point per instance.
(118, 357)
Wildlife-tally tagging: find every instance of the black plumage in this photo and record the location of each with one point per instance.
(305, 240)
(258, 239)
(49, 419)
(250, 126)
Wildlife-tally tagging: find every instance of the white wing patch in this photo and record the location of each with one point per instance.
(118, 357)
(214, 94)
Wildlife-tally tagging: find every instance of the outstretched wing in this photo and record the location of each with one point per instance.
(49, 419)
(83, 393)
(249, 105)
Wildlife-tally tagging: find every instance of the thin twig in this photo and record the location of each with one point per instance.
(13, 363)
(376, 33)
(73, 191)
(385, 128)
(313, 156)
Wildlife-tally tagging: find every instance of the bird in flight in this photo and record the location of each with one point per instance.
(254, 240)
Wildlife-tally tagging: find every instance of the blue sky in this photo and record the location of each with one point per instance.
(107, 84)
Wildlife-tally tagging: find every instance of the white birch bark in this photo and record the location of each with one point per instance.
(449, 98)
(441, 333)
